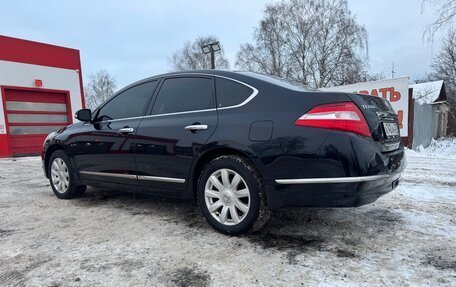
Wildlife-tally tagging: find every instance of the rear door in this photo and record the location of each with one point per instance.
(182, 119)
(104, 150)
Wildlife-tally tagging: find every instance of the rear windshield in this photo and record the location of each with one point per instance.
(284, 83)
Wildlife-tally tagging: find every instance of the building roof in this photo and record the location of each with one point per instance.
(428, 93)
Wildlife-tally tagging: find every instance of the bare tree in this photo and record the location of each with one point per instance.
(314, 42)
(190, 56)
(444, 68)
(446, 16)
(375, 77)
(444, 63)
(269, 54)
(101, 86)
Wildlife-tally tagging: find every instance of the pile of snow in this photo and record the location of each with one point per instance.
(442, 147)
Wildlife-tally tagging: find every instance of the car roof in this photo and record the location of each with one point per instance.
(224, 73)
(243, 76)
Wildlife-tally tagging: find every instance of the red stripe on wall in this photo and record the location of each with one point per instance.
(30, 52)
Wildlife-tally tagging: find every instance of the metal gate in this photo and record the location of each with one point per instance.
(31, 115)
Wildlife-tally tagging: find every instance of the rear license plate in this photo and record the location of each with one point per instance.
(391, 129)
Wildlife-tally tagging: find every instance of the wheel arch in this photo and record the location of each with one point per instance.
(49, 151)
(207, 157)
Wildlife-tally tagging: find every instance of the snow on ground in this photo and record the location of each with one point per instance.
(113, 238)
(443, 147)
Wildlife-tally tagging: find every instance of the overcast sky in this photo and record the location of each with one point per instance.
(133, 39)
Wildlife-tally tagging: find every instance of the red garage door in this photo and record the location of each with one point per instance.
(31, 115)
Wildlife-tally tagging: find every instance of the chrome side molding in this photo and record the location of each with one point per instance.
(332, 179)
(133, 176)
(162, 179)
(108, 174)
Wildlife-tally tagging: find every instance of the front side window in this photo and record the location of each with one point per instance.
(183, 95)
(231, 93)
(130, 103)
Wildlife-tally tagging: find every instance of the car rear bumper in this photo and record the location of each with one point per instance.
(346, 171)
(331, 192)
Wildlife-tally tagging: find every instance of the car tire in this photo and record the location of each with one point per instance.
(61, 177)
(231, 197)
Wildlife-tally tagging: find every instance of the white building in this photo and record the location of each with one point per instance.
(40, 86)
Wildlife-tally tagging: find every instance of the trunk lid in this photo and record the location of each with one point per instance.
(381, 118)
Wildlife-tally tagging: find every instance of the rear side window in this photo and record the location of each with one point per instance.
(230, 93)
(130, 103)
(183, 95)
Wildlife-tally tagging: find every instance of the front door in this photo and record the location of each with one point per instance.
(104, 149)
(182, 119)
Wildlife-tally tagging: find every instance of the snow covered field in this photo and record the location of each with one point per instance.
(406, 238)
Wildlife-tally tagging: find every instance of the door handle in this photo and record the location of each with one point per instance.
(195, 128)
(126, 130)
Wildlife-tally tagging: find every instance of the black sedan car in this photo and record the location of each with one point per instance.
(239, 143)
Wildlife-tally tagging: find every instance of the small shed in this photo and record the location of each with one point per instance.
(430, 112)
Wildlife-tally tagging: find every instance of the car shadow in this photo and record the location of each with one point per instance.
(143, 204)
(345, 232)
(341, 231)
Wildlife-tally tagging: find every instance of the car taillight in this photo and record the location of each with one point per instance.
(343, 116)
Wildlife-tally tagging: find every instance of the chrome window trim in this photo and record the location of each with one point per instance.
(251, 97)
(117, 120)
(334, 179)
(133, 176)
(180, 113)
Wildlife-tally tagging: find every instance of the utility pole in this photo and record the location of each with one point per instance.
(212, 59)
(211, 48)
(393, 72)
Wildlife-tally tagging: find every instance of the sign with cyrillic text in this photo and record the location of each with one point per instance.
(393, 90)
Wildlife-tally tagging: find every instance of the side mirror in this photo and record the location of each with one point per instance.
(84, 115)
